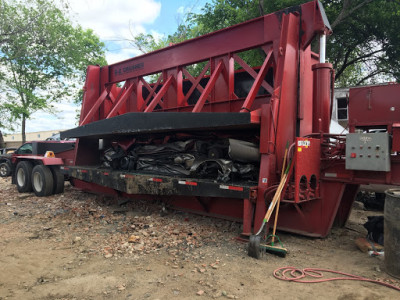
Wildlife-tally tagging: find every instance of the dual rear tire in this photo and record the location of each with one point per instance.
(23, 176)
(43, 180)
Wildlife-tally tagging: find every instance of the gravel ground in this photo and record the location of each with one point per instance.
(82, 246)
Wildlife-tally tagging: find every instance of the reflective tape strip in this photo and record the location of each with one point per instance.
(155, 179)
(105, 173)
(187, 182)
(230, 187)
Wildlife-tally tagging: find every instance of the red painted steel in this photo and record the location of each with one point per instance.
(248, 103)
(91, 91)
(44, 160)
(396, 137)
(253, 73)
(94, 108)
(195, 82)
(374, 106)
(121, 99)
(156, 100)
(207, 90)
(307, 169)
(289, 102)
(322, 97)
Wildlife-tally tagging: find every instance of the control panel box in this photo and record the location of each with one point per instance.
(368, 151)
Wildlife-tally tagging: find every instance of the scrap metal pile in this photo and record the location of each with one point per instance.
(222, 160)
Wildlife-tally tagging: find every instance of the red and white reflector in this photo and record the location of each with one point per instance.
(184, 182)
(231, 187)
(155, 179)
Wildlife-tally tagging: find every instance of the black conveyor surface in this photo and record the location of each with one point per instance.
(136, 123)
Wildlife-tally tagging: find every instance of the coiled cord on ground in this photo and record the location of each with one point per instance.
(298, 275)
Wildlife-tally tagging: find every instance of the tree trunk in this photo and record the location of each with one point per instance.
(2, 144)
(23, 129)
(261, 7)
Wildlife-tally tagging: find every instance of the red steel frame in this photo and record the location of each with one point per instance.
(295, 105)
(282, 113)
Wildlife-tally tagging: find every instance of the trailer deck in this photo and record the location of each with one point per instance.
(151, 184)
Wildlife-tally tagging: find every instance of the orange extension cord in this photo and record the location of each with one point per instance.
(296, 275)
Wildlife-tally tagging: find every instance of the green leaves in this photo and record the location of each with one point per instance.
(42, 57)
(364, 47)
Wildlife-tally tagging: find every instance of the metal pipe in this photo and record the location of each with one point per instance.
(322, 48)
(322, 76)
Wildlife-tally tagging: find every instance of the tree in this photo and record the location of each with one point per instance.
(186, 30)
(364, 47)
(41, 66)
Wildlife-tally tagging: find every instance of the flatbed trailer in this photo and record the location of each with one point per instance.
(35, 166)
(214, 141)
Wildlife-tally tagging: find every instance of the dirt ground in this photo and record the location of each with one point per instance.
(79, 246)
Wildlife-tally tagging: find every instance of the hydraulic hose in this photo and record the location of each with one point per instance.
(298, 275)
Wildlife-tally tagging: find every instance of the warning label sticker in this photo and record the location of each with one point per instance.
(304, 143)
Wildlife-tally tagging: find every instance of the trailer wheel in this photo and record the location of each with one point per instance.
(5, 169)
(58, 180)
(23, 175)
(42, 181)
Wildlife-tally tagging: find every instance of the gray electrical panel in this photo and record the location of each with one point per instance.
(368, 151)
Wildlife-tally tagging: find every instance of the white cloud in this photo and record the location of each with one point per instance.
(64, 118)
(112, 19)
(116, 22)
(180, 10)
(120, 55)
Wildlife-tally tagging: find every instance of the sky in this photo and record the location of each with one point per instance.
(116, 22)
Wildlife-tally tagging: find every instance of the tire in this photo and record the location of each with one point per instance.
(5, 169)
(23, 176)
(58, 180)
(42, 181)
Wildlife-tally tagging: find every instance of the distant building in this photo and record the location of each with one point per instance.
(15, 140)
(340, 106)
